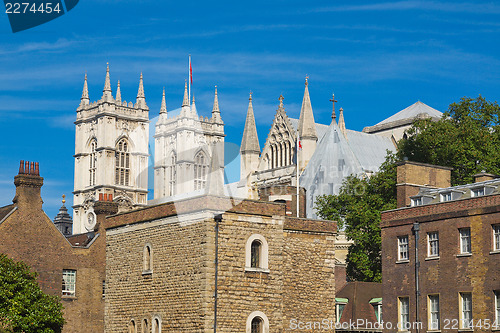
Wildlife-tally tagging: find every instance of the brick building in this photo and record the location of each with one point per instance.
(441, 252)
(72, 268)
(176, 266)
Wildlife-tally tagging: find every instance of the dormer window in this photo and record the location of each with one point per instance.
(446, 196)
(416, 201)
(477, 192)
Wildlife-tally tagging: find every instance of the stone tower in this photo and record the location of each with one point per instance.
(111, 153)
(307, 130)
(183, 148)
(250, 148)
(63, 220)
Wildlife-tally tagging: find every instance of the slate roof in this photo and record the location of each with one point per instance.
(411, 112)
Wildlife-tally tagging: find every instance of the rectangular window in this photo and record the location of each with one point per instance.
(465, 241)
(477, 192)
(403, 248)
(404, 313)
(378, 312)
(433, 307)
(339, 309)
(465, 310)
(446, 196)
(68, 282)
(433, 244)
(496, 237)
(497, 308)
(416, 201)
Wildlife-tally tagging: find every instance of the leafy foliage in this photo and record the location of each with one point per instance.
(467, 139)
(23, 305)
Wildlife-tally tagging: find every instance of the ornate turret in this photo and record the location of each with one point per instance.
(250, 148)
(85, 93)
(141, 98)
(216, 118)
(185, 101)
(194, 112)
(163, 108)
(106, 92)
(118, 93)
(342, 123)
(63, 220)
(307, 130)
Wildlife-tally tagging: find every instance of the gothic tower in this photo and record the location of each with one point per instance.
(250, 149)
(184, 146)
(307, 130)
(111, 153)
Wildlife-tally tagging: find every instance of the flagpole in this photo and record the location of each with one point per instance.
(189, 81)
(297, 182)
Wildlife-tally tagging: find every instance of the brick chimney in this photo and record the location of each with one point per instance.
(104, 207)
(483, 176)
(411, 176)
(28, 186)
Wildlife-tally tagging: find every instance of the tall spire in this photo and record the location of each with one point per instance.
(216, 118)
(163, 108)
(250, 140)
(118, 93)
(307, 126)
(333, 107)
(106, 92)
(342, 123)
(194, 113)
(185, 101)
(85, 93)
(141, 98)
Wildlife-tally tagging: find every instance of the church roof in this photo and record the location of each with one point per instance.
(413, 111)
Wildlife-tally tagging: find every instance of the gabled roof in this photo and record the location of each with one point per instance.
(413, 111)
(6, 210)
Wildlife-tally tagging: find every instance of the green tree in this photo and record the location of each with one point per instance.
(23, 305)
(467, 139)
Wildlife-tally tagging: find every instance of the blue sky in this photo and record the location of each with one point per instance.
(378, 58)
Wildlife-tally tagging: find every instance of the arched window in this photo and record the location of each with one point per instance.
(256, 253)
(148, 259)
(132, 327)
(122, 163)
(145, 326)
(257, 322)
(173, 174)
(200, 171)
(92, 162)
(156, 325)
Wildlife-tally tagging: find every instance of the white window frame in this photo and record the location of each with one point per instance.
(465, 321)
(339, 309)
(416, 202)
(377, 307)
(403, 248)
(263, 255)
(497, 309)
(69, 282)
(445, 196)
(433, 244)
(477, 192)
(261, 315)
(403, 313)
(465, 241)
(496, 236)
(433, 312)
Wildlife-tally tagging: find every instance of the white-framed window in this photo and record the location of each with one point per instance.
(433, 244)
(257, 322)
(256, 253)
(403, 252)
(68, 282)
(446, 196)
(477, 192)
(497, 307)
(416, 201)
(156, 325)
(340, 304)
(122, 163)
(147, 259)
(465, 241)
(433, 314)
(377, 307)
(496, 237)
(200, 171)
(92, 162)
(172, 174)
(145, 326)
(132, 327)
(404, 313)
(465, 310)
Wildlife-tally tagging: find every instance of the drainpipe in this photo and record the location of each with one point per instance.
(217, 219)
(416, 229)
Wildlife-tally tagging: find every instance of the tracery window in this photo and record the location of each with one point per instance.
(92, 162)
(200, 171)
(122, 163)
(173, 173)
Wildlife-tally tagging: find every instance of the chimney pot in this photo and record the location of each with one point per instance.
(110, 197)
(105, 197)
(27, 167)
(32, 168)
(100, 197)
(21, 167)
(37, 169)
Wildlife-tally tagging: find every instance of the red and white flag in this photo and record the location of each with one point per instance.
(190, 71)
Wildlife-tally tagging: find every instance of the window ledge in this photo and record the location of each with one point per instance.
(403, 261)
(257, 269)
(464, 255)
(495, 252)
(432, 258)
(465, 330)
(434, 331)
(147, 272)
(68, 297)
